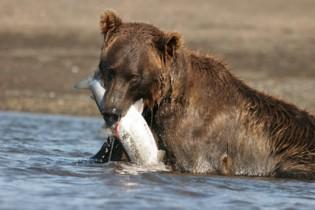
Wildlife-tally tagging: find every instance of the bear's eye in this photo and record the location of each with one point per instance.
(101, 67)
(110, 75)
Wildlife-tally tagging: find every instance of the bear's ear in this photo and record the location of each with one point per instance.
(169, 43)
(109, 22)
(172, 41)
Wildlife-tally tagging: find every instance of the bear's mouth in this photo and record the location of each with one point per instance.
(94, 83)
(116, 119)
(114, 147)
(111, 120)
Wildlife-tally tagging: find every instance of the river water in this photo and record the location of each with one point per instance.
(44, 164)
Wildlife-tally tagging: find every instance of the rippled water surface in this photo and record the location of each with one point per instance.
(44, 164)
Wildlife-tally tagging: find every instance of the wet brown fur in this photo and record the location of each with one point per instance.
(206, 119)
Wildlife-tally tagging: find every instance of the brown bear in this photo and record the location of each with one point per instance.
(207, 120)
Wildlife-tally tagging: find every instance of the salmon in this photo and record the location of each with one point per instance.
(132, 130)
(137, 138)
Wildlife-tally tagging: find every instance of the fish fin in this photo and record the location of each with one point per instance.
(138, 105)
(84, 83)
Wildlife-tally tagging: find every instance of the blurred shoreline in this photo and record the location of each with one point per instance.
(46, 47)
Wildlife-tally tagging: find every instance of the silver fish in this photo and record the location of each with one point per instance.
(137, 138)
(132, 130)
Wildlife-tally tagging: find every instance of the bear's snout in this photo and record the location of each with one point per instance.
(110, 118)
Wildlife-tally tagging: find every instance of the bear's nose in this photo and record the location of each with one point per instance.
(110, 119)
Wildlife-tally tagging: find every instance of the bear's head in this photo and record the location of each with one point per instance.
(135, 63)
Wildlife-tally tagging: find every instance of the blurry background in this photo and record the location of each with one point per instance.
(47, 46)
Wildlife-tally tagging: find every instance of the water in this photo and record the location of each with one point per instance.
(44, 164)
